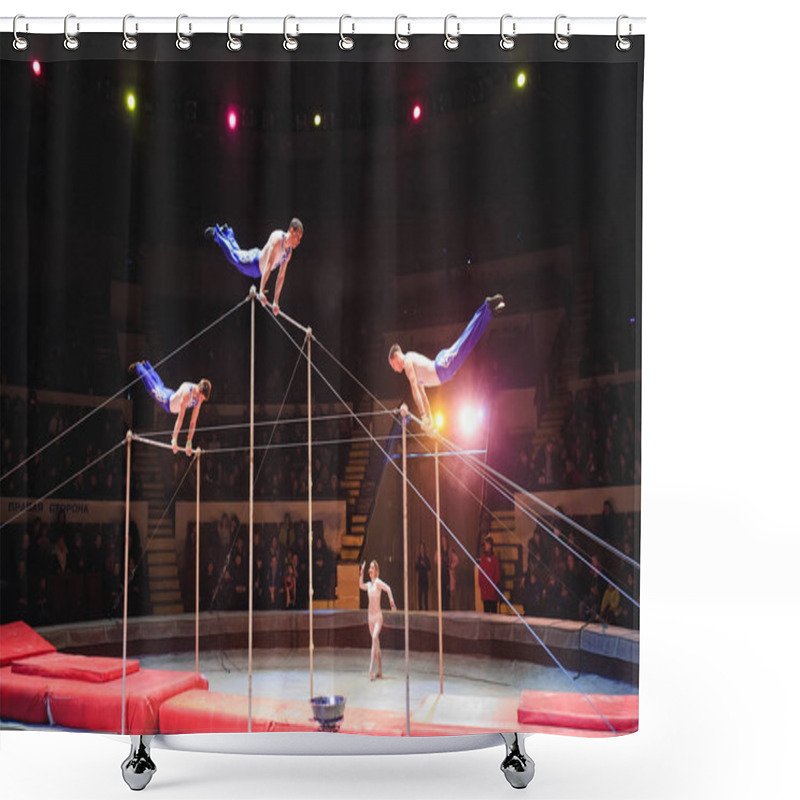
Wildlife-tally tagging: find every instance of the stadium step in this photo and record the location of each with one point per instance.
(167, 609)
(171, 596)
(161, 557)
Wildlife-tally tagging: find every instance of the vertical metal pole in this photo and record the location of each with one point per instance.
(310, 534)
(129, 439)
(441, 566)
(197, 572)
(404, 414)
(250, 581)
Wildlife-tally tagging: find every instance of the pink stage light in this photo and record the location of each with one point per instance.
(417, 112)
(233, 119)
(36, 66)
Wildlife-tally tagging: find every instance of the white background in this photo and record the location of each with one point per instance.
(720, 446)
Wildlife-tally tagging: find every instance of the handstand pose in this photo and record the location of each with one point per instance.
(374, 590)
(188, 395)
(260, 261)
(422, 372)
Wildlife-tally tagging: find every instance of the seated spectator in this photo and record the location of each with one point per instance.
(275, 588)
(611, 606)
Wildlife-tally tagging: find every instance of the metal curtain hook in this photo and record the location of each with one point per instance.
(182, 42)
(451, 42)
(507, 42)
(561, 42)
(70, 42)
(623, 44)
(234, 43)
(345, 42)
(289, 42)
(20, 42)
(401, 42)
(129, 42)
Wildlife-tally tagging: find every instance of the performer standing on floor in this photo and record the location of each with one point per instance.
(422, 372)
(188, 395)
(374, 589)
(259, 262)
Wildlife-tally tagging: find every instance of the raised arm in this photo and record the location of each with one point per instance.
(361, 584)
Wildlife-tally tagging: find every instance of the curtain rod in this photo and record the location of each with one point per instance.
(404, 26)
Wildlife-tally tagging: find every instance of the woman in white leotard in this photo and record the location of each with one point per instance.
(374, 589)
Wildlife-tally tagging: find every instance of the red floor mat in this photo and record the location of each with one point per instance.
(571, 710)
(23, 698)
(18, 640)
(98, 706)
(91, 669)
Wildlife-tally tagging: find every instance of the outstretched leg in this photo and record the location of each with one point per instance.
(375, 652)
(449, 361)
(246, 261)
(153, 383)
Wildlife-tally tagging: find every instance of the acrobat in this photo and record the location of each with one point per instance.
(187, 395)
(375, 589)
(422, 372)
(259, 262)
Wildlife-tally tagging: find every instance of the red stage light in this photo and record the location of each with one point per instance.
(417, 112)
(233, 119)
(37, 68)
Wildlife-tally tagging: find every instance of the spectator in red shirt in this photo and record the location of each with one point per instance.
(490, 566)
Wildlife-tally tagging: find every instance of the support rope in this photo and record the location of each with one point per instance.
(62, 484)
(465, 551)
(121, 391)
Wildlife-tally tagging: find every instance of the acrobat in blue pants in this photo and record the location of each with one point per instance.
(154, 385)
(246, 261)
(450, 360)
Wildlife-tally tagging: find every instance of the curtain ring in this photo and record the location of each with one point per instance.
(507, 42)
(70, 42)
(129, 42)
(182, 42)
(451, 42)
(561, 42)
(20, 42)
(346, 42)
(401, 42)
(289, 42)
(623, 44)
(234, 43)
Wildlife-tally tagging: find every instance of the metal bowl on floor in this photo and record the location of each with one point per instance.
(328, 711)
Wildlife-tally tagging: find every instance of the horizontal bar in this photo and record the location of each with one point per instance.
(467, 26)
(443, 453)
(162, 445)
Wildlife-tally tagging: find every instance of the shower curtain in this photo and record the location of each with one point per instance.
(321, 380)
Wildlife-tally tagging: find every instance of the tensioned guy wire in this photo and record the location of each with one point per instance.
(62, 484)
(121, 391)
(532, 515)
(463, 548)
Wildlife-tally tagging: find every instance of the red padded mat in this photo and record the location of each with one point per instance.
(18, 640)
(571, 710)
(98, 706)
(214, 712)
(23, 698)
(91, 669)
